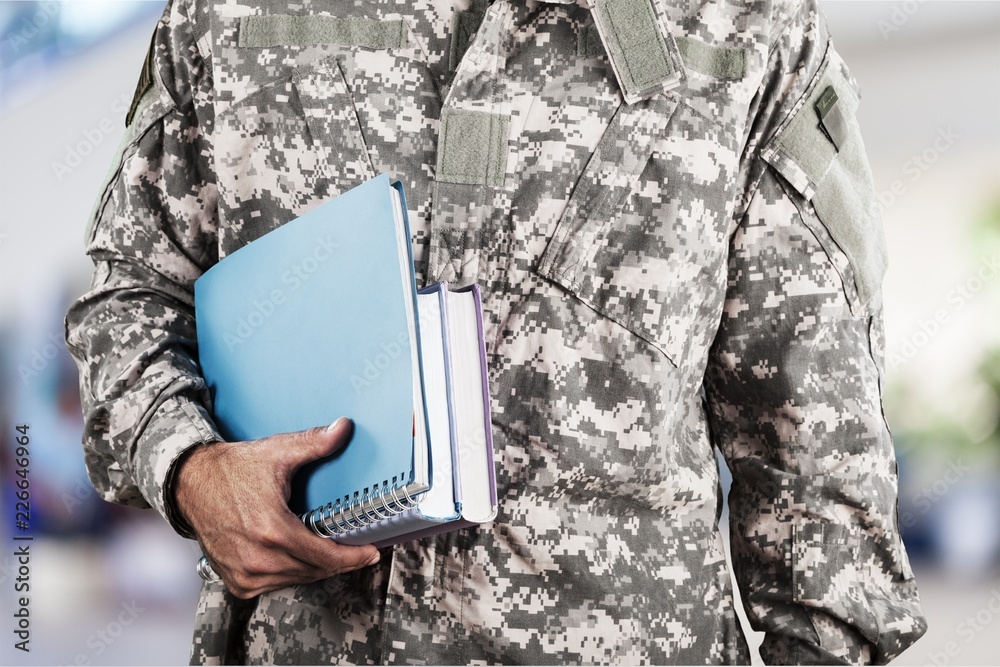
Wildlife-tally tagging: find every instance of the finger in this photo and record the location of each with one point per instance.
(246, 587)
(266, 584)
(281, 570)
(286, 532)
(291, 555)
(294, 450)
(267, 569)
(328, 555)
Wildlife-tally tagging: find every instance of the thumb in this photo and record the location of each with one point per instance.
(307, 446)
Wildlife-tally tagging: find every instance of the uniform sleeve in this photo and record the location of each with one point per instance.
(151, 234)
(795, 376)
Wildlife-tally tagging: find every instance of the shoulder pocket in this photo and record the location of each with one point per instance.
(147, 109)
(820, 153)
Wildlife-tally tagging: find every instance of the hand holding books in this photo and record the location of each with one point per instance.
(256, 543)
(322, 317)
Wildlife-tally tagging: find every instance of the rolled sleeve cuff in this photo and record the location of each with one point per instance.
(178, 425)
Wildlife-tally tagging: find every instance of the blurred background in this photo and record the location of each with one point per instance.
(112, 585)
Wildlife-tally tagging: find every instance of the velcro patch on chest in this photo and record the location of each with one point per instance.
(472, 148)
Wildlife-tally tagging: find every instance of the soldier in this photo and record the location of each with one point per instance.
(670, 212)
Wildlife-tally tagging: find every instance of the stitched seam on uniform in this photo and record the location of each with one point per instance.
(856, 229)
(498, 144)
(847, 280)
(608, 211)
(720, 62)
(792, 561)
(498, 147)
(130, 138)
(286, 30)
(880, 376)
(626, 320)
(807, 189)
(766, 148)
(560, 239)
(626, 323)
(561, 236)
(464, 26)
(326, 164)
(461, 606)
(393, 573)
(770, 145)
(453, 47)
(636, 17)
(147, 79)
(588, 42)
(781, 26)
(361, 145)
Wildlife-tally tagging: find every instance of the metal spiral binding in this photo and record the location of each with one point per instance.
(340, 517)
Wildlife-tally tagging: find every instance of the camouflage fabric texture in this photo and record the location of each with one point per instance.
(662, 278)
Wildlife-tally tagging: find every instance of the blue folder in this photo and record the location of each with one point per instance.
(307, 324)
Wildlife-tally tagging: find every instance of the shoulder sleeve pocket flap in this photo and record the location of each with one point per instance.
(820, 153)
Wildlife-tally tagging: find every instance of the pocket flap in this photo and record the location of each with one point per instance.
(629, 255)
(820, 153)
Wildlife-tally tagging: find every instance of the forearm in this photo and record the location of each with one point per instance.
(143, 397)
(152, 233)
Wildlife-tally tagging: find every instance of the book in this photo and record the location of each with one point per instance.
(321, 318)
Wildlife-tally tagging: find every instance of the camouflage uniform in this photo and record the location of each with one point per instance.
(674, 226)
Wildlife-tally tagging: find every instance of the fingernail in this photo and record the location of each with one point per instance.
(375, 559)
(335, 425)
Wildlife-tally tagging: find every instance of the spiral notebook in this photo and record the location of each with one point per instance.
(321, 318)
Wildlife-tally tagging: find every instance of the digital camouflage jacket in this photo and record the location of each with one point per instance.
(671, 215)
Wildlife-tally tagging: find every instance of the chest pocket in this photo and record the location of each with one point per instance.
(295, 123)
(640, 239)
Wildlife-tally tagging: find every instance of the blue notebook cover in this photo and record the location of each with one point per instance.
(307, 324)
